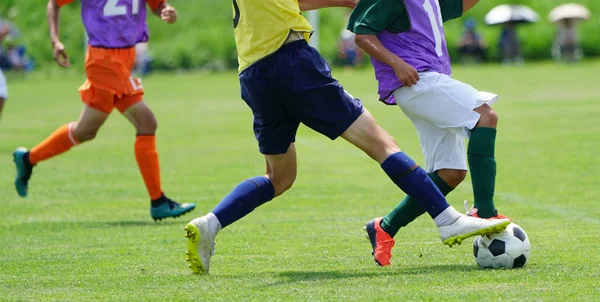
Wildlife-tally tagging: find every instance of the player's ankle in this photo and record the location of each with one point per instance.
(214, 225)
(447, 217)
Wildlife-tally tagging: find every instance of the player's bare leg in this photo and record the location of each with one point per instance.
(1, 106)
(146, 156)
(248, 195)
(62, 140)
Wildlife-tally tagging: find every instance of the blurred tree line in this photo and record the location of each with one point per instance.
(203, 36)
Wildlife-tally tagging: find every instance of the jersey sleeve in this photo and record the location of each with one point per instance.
(61, 3)
(373, 16)
(451, 9)
(154, 4)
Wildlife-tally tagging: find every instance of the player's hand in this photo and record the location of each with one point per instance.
(407, 74)
(168, 14)
(60, 55)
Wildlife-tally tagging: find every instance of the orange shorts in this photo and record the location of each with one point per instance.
(109, 81)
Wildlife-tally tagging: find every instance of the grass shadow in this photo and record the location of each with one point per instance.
(316, 276)
(61, 225)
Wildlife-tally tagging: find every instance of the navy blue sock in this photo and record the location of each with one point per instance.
(247, 196)
(413, 180)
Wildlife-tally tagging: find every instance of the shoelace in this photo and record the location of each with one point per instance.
(470, 211)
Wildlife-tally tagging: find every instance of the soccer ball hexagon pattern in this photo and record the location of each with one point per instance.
(508, 249)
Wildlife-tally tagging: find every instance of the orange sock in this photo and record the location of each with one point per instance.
(58, 142)
(147, 160)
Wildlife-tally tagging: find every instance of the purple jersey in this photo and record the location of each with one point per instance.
(114, 23)
(423, 46)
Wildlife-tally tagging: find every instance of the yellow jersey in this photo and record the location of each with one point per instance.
(262, 26)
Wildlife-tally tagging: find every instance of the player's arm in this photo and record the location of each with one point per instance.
(371, 17)
(306, 5)
(452, 9)
(58, 49)
(468, 4)
(163, 10)
(370, 44)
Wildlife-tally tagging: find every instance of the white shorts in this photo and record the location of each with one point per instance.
(441, 108)
(3, 87)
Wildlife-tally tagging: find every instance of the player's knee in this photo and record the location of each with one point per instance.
(488, 118)
(83, 135)
(147, 125)
(282, 181)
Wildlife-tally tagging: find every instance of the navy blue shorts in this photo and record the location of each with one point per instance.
(293, 86)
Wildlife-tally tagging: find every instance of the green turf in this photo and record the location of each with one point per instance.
(85, 233)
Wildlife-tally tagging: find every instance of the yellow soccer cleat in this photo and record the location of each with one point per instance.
(465, 227)
(200, 245)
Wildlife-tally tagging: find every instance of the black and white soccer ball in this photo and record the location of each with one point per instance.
(507, 249)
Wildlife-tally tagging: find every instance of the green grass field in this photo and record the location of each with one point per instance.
(85, 234)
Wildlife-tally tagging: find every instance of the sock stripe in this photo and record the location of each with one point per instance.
(253, 181)
(405, 173)
(70, 133)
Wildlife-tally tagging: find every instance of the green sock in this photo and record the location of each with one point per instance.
(482, 165)
(410, 208)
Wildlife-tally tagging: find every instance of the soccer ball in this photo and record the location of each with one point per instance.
(509, 248)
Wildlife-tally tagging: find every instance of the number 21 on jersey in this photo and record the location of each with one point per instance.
(112, 8)
(435, 26)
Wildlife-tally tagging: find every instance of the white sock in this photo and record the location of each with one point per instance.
(447, 217)
(214, 226)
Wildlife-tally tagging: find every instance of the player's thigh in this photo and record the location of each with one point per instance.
(282, 169)
(365, 134)
(311, 94)
(274, 128)
(442, 101)
(441, 147)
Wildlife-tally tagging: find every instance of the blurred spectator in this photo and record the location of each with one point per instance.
(566, 44)
(13, 56)
(471, 43)
(509, 45)
(3, 86)
(348, 52)
(143, 60)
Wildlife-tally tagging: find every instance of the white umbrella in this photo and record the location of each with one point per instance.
(569, 11)
(511, 13)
